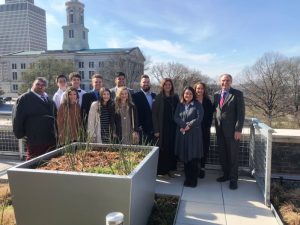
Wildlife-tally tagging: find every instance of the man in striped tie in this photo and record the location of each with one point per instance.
(229, 120)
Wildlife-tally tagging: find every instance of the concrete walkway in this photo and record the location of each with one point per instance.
(212, 203)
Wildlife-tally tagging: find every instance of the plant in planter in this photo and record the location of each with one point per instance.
(6, 210)
(50, 197)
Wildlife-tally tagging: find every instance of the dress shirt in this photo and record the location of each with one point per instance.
(57, 97)
(149, 97)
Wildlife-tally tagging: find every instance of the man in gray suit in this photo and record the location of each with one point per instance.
(229, 120)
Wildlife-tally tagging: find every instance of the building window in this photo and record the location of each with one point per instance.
(23, 66)
(81, 18)
(83, 34)
(71, 17)
(91, 87)
(14, 66)
(101, 64)
(91, 73)
(15, 87)
(14, 75)
(81, 64)
(81, 73)
(82, 86)
(71, 33)
(91, 64)
(31, 65)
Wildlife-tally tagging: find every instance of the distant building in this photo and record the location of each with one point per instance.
(22, 27)
(75, 48)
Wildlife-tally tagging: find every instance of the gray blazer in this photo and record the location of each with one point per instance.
(231, 116)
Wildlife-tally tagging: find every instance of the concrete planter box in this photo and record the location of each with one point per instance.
(42, 197)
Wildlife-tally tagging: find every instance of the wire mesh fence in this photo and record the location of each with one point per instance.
(254, 154)
(260, 156)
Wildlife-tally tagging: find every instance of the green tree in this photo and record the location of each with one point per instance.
(48, 68)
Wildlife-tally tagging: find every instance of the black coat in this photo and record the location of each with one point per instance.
(35, 119)
(87, 100)
(144, 111)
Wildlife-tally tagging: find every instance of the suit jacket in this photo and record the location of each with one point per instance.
(231, 116)
(113, 92)
(144, 111)
(35, 119)
(87, 100)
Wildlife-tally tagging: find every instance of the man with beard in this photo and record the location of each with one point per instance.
(143, 100)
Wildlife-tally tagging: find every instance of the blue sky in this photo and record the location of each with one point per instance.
(214, 36)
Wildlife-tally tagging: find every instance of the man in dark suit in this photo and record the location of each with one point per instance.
(143, 100)
(90, 97)
(34, 117)
(120, 81)
(229, 120)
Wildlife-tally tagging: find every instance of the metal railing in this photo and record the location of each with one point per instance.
(260, 156)
(254, 154)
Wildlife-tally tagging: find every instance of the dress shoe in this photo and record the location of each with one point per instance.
(222, 179)
(201, 174)
(186, 183)
(233, 185)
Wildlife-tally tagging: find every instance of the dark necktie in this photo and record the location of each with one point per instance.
(43, 97)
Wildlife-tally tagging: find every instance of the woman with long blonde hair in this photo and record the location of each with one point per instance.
(126, 118)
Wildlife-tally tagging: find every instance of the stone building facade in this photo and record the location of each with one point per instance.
(22, 27)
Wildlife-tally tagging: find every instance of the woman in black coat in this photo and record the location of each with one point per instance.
(202, 97)
(163, 110)
(188, 144)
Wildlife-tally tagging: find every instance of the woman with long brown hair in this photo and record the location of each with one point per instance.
(69, 117)
(163, 110)
(101, 125)
(202, 97)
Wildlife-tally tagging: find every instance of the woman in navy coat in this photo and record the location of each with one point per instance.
(188, 145)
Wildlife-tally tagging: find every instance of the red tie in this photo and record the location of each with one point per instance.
(222, 99)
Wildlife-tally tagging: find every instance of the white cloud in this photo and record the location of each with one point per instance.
(293, 50)
(174, 50)
(113, 43)
(52, 20)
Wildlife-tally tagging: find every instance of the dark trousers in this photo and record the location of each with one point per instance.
(206, 144)
(147, 138)
(37, 150)
(191, 171)
(229, 152)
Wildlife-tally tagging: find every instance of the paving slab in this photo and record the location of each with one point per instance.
(249, 215)
(207, 191)
(194, 213)
(213, 203)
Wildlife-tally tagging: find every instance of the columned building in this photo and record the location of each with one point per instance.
(22, 27)
(76, 49)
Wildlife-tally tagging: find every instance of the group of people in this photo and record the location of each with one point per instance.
(179, 125)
